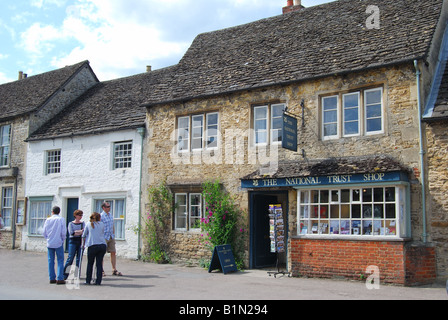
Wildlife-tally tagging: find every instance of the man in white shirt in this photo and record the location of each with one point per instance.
(55, 232)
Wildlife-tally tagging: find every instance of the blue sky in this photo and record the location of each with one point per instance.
(118, 37)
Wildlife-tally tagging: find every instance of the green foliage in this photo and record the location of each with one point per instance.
(222, 222)
(157, 228)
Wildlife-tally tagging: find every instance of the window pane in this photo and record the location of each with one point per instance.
(373, 96)
(212, 130)
(181, 211)
(183, 133)
(374, 125)
(351, 113)
(195, 210)
(351, 128)
(122, 155)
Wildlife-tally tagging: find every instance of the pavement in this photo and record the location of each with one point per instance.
(24, 276)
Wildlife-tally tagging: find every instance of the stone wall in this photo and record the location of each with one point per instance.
(437, 139)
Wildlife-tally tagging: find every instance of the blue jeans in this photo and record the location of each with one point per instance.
(59, 253)
(74, 249)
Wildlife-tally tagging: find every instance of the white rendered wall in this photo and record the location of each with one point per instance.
(87, 174)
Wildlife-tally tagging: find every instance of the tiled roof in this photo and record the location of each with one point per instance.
(333, 166)
(318, 41)
(441, 106)
(108, 106)
(27, 95)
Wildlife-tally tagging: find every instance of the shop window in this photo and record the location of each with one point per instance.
(352, 114)
(198, 132)
(369, 211)
(188, 211)
(267, 123)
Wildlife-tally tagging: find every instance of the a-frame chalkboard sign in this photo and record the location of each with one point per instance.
(223, 259)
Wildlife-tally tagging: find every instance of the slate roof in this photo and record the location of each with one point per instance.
(437, 102)
(108, 106)
(314, 42)
(441, 106)
(333, 166)
(27, 95)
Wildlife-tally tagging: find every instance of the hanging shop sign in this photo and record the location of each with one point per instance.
(325, 180)
(289, 138)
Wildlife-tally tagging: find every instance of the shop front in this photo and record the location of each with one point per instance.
(342, 218)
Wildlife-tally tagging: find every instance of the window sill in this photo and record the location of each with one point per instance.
(350, 238)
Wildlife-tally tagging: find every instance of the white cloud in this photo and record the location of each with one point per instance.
(121, 37)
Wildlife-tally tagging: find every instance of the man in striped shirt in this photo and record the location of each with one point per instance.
(109, 233)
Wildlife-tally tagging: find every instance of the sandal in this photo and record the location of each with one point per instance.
(116, 273)
(104, 274)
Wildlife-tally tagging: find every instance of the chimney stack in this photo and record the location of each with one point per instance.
(22, 75)
(291, 6)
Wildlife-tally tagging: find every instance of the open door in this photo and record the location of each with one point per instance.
(72, 205)
(261, 255)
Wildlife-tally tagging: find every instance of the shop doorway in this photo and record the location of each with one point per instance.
(260, 241)
(72, 205)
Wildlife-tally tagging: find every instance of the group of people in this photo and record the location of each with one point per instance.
(98, 236)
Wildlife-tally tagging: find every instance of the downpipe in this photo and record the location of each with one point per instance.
(422, 151)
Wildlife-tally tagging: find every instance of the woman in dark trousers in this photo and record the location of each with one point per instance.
(96, 247)
(75, 230)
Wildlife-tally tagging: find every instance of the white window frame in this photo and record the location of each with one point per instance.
(358, 115)
(121, 157)
(7, 206)
(209, 130)
(338, 213)
(338, 116)
(40, 210)
(185, 209)
(53, 165)
(5, 146)
(188, 133)
(268, 123)
(366, 105)
(361, 111)
(119, 216)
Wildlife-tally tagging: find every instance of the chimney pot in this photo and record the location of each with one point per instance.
(20, 75)
(293, 5)
(148, 68)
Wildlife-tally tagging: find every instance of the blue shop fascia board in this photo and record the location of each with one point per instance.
(325, 181)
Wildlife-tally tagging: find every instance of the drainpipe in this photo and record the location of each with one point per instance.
(141, 131)
(422, 151)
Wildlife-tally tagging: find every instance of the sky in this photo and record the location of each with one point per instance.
(118, 37)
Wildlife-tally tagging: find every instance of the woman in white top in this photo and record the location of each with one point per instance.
(94, 240)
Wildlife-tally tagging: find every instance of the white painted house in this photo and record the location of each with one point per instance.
(89, 153)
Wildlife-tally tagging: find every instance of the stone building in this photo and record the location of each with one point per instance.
(26, 105)
(354, 76)
(435, 124)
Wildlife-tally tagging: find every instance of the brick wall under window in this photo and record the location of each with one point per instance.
(398, 262)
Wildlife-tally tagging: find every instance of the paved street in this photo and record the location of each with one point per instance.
(24, 276)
